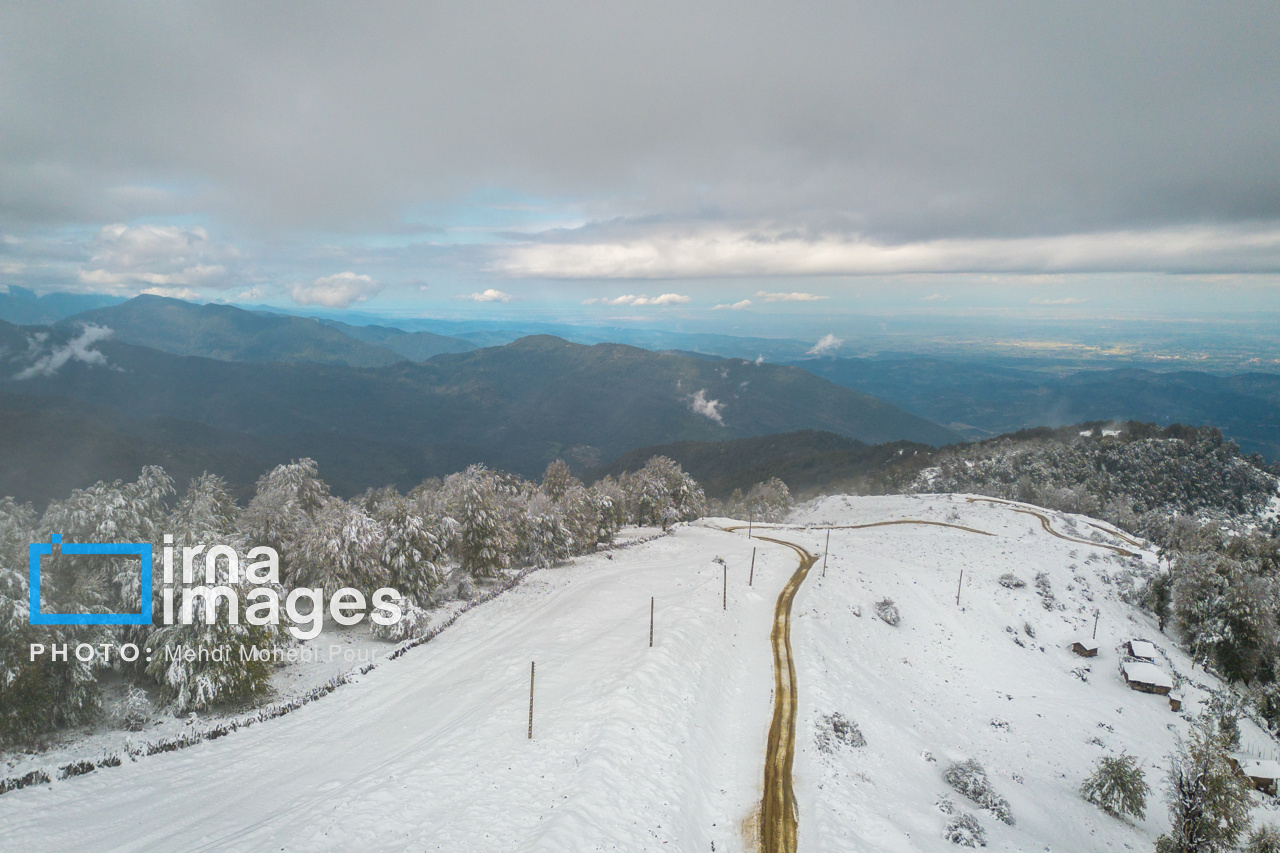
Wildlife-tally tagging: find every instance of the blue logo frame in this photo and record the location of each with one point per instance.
(141, 550)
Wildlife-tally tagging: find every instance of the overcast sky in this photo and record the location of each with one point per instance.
(700, 159)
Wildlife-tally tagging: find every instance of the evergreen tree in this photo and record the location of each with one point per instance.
(283, 509)
(1117, 786)
(557, 480)
(484, 539)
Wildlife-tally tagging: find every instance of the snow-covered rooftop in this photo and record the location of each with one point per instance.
(1142, 649)
(1259, 768)
(1146, 673)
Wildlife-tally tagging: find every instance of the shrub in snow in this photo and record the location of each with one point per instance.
(1008, 580)
(837, 730)
(888, 611)
(135, 711)
(1045, 591)
(1117, 786)
(964, 829)
(970, 779)
(1265, 839)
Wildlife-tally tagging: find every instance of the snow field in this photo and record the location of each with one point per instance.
(633, 749)
(951, 683)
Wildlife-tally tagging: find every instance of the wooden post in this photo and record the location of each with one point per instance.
(751, 579)
(725, 567)
(1095, 625)
(825, 549)
(958, 585)
(650, 622)
(750, 520)
(532, 665)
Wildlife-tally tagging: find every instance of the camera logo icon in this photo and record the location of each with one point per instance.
(141, 550)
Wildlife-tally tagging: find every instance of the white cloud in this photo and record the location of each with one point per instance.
(80, 348)
(489, 295)
(728, 252)
(707, 408)
(1066, 300)
(736, 306)
(133, 258)
(934, 297)
(632, 299)
(826, 344)
(335, 291)
(789, 297)
(664, 299)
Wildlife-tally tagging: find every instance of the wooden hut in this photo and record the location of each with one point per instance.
(1146, 677)
(1261, 773)
(1085, 648)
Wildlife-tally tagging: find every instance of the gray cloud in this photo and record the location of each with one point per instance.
(818, 126)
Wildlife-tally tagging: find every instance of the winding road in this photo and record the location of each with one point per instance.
(778, 818)
(1044, 522)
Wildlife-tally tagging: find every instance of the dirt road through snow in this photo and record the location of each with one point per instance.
(779, 820)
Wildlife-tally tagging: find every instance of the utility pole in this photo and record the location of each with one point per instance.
(651, 622)
(1095, 625)
(532, 665)
(752, 577)
(825, 549)
(725, 567)
(958, 585)
(750, 521)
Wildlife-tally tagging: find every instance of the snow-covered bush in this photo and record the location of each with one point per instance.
(1117, 786)
(970, 779)
(888, 611)
(1008, 580)
(1264, 839)
(835, 730)
(135, 710)
(963, 829)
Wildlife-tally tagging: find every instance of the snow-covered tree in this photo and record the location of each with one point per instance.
(659, 486)
(1208, 802)
(484, 540)
(105, 512)
(206, 516)
(282, 511)
(342, 547)
(411, 550)
(557, 480)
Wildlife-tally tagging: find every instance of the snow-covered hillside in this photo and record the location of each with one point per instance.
(991, 679)
(663, 749)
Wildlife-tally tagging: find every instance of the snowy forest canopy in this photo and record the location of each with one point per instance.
(445, 539)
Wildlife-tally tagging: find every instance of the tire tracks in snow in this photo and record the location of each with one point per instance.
(779, 819)
(1044, 522)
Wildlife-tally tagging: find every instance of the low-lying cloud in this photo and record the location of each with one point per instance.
(707, 408)
(826, 344)
(80, 348)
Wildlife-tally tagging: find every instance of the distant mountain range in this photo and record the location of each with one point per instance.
(518, 406)
(984, 399)
(23, 307)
